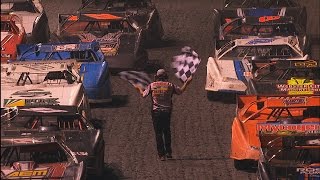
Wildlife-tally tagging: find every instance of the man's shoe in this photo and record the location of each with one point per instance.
(169, 156)
(162, 158)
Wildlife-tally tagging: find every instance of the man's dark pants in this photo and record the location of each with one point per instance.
(161, 125)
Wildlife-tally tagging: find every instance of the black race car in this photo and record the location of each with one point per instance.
(119, 36)
(42, 156)
(144, 12)
(80, 138)
(264, 11)
(285, 77)
(290, 149)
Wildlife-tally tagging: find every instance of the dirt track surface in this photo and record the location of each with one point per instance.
(201, 129)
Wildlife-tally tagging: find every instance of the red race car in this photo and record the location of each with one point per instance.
(12, 34)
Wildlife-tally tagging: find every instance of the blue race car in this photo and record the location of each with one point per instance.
(93, 67)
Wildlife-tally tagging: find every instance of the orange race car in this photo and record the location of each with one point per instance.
(12, 34)
(277, 113)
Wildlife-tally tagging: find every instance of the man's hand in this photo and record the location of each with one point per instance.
(139, 89)
(188, 80)
(183, 88)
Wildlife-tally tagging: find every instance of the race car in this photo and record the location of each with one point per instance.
(120, 37)
(287, 155)
(92, 66)
(232, 64)
(265, 26)
(266, 10)
(144, 12)
(286, 77)
(34, 18)
(277, 113)
(38, 157)
(43, 83)
(12, 34)
(52, 134)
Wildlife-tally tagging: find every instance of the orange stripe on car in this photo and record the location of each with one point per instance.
(96, 16)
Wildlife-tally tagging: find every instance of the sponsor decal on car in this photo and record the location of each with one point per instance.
(311, 171)
(308, 64)
(66, 47)
(263, 19)
(288, 129)
(30, 102)
(29, 173)
(109, 51)
(260, 41)
(299, 86)
(289, 101)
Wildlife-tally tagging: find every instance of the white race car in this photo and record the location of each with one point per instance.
(234, 62)
(34, 18)
(43, 84)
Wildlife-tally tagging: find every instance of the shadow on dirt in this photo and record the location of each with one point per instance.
(224, 97)
(111, 172)
(163, 43)
(117, 102)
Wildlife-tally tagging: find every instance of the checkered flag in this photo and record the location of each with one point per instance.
(186, 63)
(136, 78)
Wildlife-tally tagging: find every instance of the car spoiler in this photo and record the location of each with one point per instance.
(23, 49)
(257, 104)
(9, 141)
(38, 66)
(55, 110)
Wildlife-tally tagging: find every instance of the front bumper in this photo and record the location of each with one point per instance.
(224, 84)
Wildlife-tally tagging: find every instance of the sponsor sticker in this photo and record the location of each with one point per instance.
(260, 41)
(30, 173)
(294, 101)
(268, 18)
(66, 47)
(299, 86)
(308, 64)
(288, 129)
(109, 51)
(313, 171)
(30, 102)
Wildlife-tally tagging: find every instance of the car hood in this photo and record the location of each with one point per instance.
(44, 94)
(27, 19)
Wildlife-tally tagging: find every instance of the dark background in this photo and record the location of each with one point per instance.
(201, 130)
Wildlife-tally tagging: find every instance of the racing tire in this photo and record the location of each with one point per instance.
(101, 163)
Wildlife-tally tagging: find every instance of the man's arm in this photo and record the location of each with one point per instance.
(145, 92)
(184, 86)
